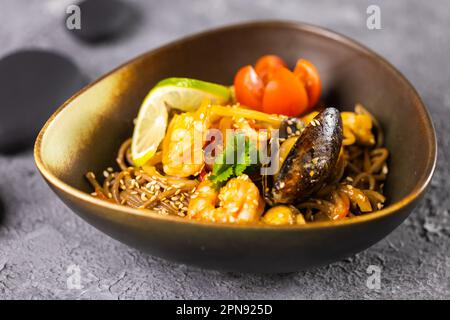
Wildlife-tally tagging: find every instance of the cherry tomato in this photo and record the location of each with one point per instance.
(267, 65)
(248, 87)
(309, 76)
(284, 94)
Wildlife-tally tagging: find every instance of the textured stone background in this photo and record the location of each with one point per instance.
(40, 238)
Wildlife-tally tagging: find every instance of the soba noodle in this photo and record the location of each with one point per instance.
(358, 178)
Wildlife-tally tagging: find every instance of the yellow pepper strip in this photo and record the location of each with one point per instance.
(309, 116)
(358, 197)
(246, 113)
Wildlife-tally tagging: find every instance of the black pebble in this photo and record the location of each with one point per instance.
(33, 84)
(104, 19)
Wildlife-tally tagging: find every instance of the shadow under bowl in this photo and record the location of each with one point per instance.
(86, 132)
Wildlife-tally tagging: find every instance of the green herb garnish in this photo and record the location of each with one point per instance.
(235, 159)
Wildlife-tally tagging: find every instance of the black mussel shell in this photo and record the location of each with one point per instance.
(311, 159)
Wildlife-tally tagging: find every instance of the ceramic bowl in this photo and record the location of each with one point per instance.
(85, 133)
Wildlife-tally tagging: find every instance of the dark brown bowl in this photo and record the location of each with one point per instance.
(85, 133)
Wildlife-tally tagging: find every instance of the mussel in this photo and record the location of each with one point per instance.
(310, 161)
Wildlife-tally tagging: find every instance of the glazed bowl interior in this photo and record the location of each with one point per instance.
(85, 134)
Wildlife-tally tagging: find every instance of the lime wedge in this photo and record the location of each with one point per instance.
(179, 93)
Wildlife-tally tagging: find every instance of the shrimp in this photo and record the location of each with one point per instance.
(357, 128)
(182, 147)
(238, 201)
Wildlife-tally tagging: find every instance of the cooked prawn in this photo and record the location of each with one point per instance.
(357, 128)
(182, 148)
(238, 201)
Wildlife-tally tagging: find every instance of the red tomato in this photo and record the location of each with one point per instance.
(309, 76)
(267, 65)
(248, 87)
(285, 94)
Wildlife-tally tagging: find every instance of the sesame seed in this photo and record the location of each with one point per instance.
(282, 184)
(106, 174)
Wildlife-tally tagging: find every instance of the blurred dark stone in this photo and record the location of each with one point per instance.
(33, 84)
(103, 20)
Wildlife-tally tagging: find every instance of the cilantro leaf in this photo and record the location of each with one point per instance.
(234, 160)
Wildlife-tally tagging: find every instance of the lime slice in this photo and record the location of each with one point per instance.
(179, 93)
(187, 94)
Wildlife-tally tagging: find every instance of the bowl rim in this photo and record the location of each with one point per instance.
(418, 190)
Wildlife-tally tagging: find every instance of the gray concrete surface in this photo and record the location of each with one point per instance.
(40, 238)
